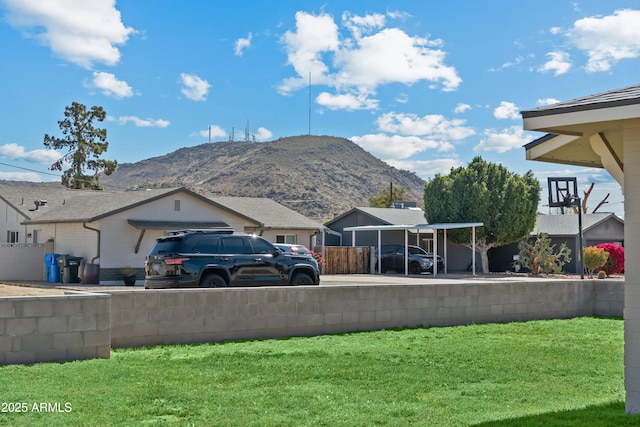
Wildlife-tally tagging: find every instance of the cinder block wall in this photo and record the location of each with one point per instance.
(208, 315)
(54, 328)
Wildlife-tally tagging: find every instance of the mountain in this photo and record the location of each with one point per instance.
(318, 176)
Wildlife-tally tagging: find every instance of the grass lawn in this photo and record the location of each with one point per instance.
(540, 373)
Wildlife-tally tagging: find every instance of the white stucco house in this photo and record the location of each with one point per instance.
(603, 130)
(118, 229)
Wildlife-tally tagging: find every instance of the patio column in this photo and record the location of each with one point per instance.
(631, 142)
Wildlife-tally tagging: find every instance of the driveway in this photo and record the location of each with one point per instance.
(45, 288)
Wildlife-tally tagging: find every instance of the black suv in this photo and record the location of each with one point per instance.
(215, 259)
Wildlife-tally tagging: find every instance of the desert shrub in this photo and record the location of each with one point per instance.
(539, 256)
(594, 258)
(615, 262)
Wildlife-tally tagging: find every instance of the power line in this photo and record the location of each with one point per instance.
(56, 175)
(31, 170)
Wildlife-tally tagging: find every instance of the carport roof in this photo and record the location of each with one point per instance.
(415, 227)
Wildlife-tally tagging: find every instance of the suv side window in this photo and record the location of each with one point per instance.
(234, 245)
(207, 245)
(261, 246)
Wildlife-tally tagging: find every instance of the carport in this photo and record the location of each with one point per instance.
(603, 130)
(417, 228)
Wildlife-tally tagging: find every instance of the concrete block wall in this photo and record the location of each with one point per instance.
(209, 315)
(54, 328)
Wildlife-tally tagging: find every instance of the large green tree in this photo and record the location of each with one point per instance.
(84, 143)
(507, 204)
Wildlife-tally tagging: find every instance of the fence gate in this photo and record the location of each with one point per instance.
(347, 260)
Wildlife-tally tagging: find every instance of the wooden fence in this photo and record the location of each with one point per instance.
(347, 260)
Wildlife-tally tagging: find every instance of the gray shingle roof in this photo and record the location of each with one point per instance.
(64, 205)
(389, 216)
(614, 98)
(267, 212)
(567, 225)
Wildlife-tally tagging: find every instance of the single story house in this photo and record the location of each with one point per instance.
(596, 228)
(112, 230)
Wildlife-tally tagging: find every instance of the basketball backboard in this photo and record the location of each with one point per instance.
(562, 191)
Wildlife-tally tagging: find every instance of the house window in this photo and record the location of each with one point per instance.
(289, 239)
(12, 237)
(176, 205)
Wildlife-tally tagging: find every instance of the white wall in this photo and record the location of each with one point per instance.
(632, 265)
(119, 238)
(303, 237)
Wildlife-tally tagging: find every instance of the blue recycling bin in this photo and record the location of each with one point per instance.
(53, 269)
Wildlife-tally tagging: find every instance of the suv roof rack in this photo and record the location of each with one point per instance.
(198, 230)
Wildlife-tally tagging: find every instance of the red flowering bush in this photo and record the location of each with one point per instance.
(318, 257)
(615, 262)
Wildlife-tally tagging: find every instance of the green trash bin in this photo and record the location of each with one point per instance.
(69, 266)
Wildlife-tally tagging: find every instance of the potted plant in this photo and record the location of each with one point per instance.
(128, 275)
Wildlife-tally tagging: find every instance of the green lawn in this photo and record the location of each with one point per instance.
(541, 373)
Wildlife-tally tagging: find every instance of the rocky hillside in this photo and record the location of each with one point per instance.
(318, 176)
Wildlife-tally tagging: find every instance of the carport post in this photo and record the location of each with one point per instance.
(445, 252)
(379, 251)
(473, 249)
(353, 237)
(435, 252)
(406, 252)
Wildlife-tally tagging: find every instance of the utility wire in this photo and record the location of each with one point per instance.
(54, 174)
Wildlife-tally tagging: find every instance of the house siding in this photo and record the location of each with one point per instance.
(119, 249)
(303, 237)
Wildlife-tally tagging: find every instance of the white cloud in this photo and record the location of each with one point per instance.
(263, 134)
(392, 56)
(82, 32)
(559, 63)
(138, 122)
(20, 176)
(388, 147)
(433, 126)
(503, 141)
(15, 151)
(371, 57)
(194, 88)
(347, 101)
(363, 24)
(242, 44)
(402, 98)
(555, 30)
(547, 101)
(461, 108)
(110, 85)
(214, 131)
(426, 169)
(507, 110)
(607, 39)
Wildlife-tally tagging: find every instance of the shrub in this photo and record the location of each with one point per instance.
(319, 258)
(594, 258)
(539, 257)
(615, 262)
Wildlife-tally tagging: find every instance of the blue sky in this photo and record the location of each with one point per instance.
(423, 85)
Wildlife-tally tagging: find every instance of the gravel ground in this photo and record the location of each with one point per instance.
(17, 291)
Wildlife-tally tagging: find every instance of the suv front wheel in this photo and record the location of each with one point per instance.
(212, 281)
(301, 279)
